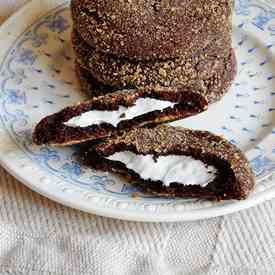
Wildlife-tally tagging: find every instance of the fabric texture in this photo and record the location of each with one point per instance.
(38, 236)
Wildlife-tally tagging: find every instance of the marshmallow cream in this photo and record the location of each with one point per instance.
(142, 106)
(168, 169)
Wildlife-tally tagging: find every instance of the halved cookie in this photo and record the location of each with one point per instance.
(107, 115)
(175, 162)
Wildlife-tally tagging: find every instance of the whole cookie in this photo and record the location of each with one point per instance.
(149, 29)
(205, 68)
(214, 87)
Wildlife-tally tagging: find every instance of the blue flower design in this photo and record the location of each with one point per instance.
(15, 97)
(262, 19)
(262, 165)
(241, 7)
(26, 56)
(58, 24)
(72, 168)
(19, 76)
(264, 14)
(233, 141)
(47, 153)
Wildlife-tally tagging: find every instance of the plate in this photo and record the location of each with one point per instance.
(37, 78)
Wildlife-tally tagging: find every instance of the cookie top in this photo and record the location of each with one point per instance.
(150, 29)
(235, 177)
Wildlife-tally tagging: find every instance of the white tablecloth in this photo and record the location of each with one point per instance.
(38, 236)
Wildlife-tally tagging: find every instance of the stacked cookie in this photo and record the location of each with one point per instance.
(126, 44)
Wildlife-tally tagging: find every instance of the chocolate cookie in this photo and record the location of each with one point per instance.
(210, 71)
(230, 175)
(119, 111)
(90, 85)
(151, 29)
(219, 47)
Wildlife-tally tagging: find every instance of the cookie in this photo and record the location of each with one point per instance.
(151, 29)
(224, 172)
(90, 85)
(210, 71)
(112, 113)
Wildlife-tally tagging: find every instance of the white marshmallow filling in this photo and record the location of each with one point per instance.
(168, 169)
(142, 106)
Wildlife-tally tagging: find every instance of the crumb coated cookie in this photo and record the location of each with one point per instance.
(234, 179)
(90, 85)
(151, 29)
(210, 71)
(54, 130)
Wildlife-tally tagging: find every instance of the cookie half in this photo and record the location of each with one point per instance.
(174, 162)
(120, 111)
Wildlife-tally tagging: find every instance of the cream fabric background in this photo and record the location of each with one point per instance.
(38, 236)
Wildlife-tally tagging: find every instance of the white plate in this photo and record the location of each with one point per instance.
(37, 78)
